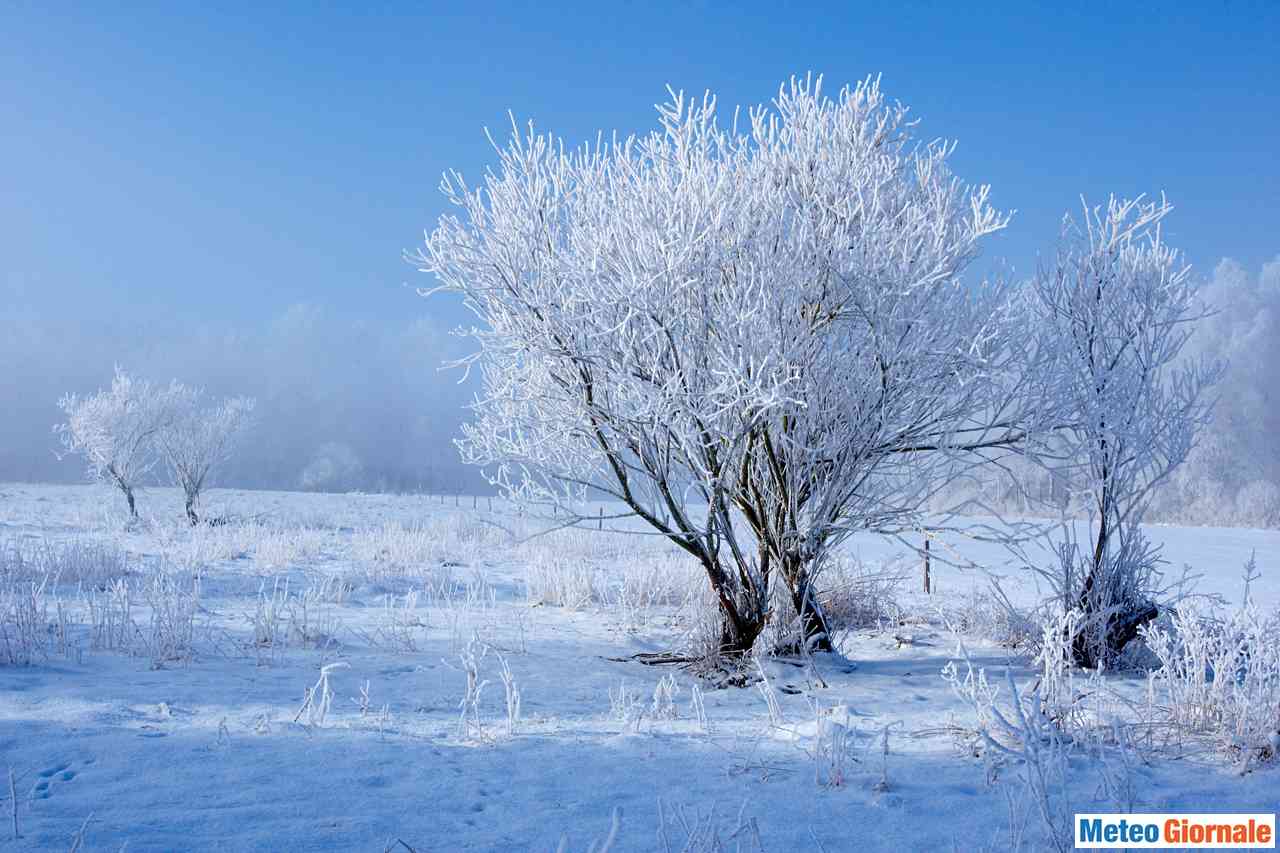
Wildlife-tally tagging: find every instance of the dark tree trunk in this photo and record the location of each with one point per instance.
(814, 632)
(740, 621)
(192, 515)
(1121, 628)
(813, 622)
(128, 495)
(738, 635)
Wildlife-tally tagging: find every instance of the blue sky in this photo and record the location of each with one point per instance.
(175, 167)
(229, 163)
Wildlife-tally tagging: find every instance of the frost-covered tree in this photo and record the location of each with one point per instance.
(115, 430)
(755, 338)
(1118, 306)
(197, 438)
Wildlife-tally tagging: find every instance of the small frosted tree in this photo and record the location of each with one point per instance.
(1118, 307)
(197, 439)
(115, 430)
(756, 340)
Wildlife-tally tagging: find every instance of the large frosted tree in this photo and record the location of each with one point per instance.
(755, 337)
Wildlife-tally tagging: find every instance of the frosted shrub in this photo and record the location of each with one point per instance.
(464, 534)
(155, 617)
(64, 563)
(270, 620)
(270, 545)
(311, 620)
(79, 562)
(1219, 677)
(23, 609)
(281, 619)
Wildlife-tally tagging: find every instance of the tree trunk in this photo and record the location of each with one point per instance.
(814, 632)
(1121, 628)
(740, 621)
(128, 495)
(192, 515)
(813, 622)
(738, 635)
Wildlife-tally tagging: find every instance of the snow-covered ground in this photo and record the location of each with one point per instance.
(218, 750)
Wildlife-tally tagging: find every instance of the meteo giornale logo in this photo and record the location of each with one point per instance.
(1180, 830)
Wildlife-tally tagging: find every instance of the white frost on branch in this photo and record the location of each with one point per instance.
(197, 439)
(115, 430)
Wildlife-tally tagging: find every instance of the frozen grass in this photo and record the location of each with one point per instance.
(1219, 679)
(79, 561)
(43, 584)
(396, 549)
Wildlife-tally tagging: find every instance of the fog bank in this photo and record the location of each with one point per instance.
(342, 403)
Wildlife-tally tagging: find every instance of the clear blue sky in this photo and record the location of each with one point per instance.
(229, 163)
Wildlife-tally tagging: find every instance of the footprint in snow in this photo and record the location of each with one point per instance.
(58, 773)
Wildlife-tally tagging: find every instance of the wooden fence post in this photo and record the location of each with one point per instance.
(926, 565)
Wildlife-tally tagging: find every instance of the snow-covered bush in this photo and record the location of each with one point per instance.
(276, 547)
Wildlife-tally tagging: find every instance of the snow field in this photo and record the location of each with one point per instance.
(349, 672)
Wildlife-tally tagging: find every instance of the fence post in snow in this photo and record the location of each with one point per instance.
(926, 564)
